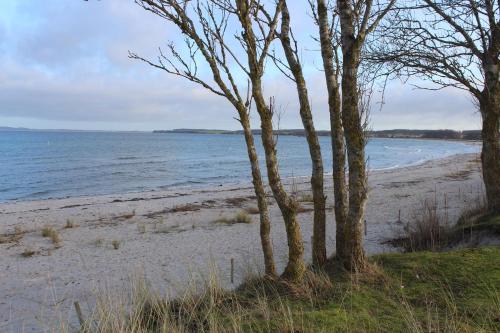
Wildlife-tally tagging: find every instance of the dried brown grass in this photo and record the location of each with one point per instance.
(116, 244)
(430, 229)
(240, 217)
(53, 234)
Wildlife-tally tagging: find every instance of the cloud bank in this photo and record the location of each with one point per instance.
(66, 65)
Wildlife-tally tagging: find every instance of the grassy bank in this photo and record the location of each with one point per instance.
(455, 291)
(417, 292)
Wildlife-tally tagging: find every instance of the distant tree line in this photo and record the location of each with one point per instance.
(471, 135)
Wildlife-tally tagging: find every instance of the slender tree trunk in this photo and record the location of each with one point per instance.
(260, 193)
(355, 258)
(295, 268)
(317, 186)
(337, 132)
(354, 252)
(490, 156)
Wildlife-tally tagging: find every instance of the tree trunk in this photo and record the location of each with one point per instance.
(355, 258)
(337, 132)
(354, 252)
(260, 193)
(317, 186)
(490, 156)
(295, 268)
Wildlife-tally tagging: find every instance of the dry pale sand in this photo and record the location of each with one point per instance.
(168, 236)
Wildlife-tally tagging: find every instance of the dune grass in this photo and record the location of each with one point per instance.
(53, 234)
(116, 244)
(456, 291)
(69, 224)
(240, 217)
(430, 230)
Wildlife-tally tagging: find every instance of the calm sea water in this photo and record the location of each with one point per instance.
(41, 165)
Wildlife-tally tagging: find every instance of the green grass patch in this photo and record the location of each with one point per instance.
(456, 291)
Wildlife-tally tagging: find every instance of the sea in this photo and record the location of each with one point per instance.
(38, 165)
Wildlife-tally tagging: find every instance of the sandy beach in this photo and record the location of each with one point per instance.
(169, 235)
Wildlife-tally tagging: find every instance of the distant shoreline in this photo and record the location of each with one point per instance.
(445, 134)
(244, 184)
(442, 134)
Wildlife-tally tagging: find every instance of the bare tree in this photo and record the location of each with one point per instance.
(453, 43)
(358, 18)
(204, 26)
(294, 66)
(352, 21)
(257, 49)
(329, 41)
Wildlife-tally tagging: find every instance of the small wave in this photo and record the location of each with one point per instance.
(34, 195)
(404, 165)
(395, 166)
(40, 193)
(180, 184)
(126, 158)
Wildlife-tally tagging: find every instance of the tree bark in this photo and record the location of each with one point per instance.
(317, 186)
(490, 156)
(337, 132)
(260, 193)
(295, 268)
(355, 258)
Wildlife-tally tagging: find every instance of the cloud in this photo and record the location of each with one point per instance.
(66, 64)
(408, 107)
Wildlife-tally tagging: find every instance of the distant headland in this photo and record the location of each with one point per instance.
(444, 134)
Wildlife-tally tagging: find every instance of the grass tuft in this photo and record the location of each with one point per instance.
(240, 217)
(430, 230)
(427, 231)
(18, 231)
(47, 231)
(116, 244)
(306, 197)
(14, 237)
(28, 252)
(53, 234)
(69, 224)
(185, 208)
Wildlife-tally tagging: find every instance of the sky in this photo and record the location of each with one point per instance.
(64, 64)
